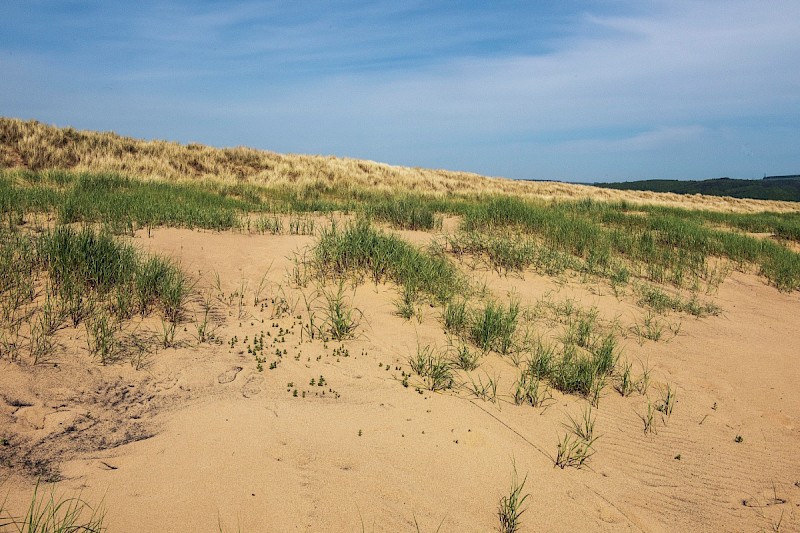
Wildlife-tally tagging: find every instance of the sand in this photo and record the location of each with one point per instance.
(199, 439)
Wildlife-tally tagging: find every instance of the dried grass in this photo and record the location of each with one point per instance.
(36, 146)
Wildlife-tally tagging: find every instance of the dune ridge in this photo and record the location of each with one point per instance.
(36, 146)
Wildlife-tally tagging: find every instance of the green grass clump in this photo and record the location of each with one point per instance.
(18, 261)
(341, 320)
(120, 202)
(90, 262)
(493, 328)
(513, 252)
(581, 328)
(577, 445)
(403, 212)
(530, 389)
(435, 369)
(665, 245)
(455, 316)
(464, 358)
(148, 283)
(361, 249)
(781, 266)
(576, 370)
(560, 229)
(79, 276)
(100, 329)
(510, 255)
(660, 301)
(406, 304)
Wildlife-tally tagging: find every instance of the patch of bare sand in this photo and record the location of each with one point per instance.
(233, 445)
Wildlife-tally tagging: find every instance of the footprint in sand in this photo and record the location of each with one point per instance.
(252, 387)
(229, 375)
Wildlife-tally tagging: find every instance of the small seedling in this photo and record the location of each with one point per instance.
(485, 391)
(648, 418)
(643, 383)
(625, 385)
(667, 401)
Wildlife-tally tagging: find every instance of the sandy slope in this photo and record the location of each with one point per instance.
(36, 146)
(229, 444)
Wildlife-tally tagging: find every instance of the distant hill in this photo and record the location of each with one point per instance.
(785, 188)
(34, 146)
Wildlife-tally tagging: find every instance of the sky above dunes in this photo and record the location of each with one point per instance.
(579, 91)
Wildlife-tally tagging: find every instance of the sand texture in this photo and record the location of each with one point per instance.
(202, 436)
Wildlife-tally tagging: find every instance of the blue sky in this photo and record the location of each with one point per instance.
(578, 91)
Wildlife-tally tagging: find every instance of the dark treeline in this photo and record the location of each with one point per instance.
(770, 188)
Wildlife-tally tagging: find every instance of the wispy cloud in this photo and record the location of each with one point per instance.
(521, 89)
(661, 138)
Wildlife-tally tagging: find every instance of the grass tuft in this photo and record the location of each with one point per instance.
(85, 276)
(52, 513)
(577, 445)
(433, 368)
(361, 249)
(494, 327)
(510, 509)
(340, 320)
(404, 212)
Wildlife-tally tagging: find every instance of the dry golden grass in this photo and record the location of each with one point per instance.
(36, 146)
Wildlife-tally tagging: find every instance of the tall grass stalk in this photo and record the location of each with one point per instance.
(52, 513)
(341, 320)
(511, 507)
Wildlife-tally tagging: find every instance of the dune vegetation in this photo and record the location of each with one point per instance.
(36, 146)
(79, 285)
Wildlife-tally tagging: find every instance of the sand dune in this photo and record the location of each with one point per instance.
(37, 146)
(229, 444)
(250, 424)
